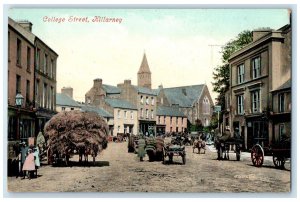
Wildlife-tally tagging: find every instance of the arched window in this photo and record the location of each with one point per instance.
(206, 106)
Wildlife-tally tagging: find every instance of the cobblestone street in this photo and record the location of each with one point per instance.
(117, 170)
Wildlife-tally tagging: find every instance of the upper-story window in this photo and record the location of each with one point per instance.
(162, 100)
(142, 99)
(147, 113)
(38, 58)
(51, 68)
(119, 113)
(28, 58)
(281, 102)
(125, 114)
(63, 108)
(19, 51)
(131, 114)
(147, 100)
(45, 63)
(255, 101)
(142, 112)
(152, 114)
(206, 105)
(152, 100)
(240, 104)
(256, 67)
(241, 73)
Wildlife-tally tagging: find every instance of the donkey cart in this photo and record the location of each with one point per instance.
(280, 152)
(174, 150)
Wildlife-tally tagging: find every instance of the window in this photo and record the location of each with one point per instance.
(63, 108)
(142, 112)
(162, 100)
(125, 114)
(28, 58)
(38, 59)
(131, 114)
(45, 95)
(240, 104)
(37, 94)
(205, 106)
(281, 102)
(27, 91)
(119, 128)
(256, 68)
(142, 100)
(152, 100)
(72, 108)
(119, 114)
(53, 98)
(147, 100)
(241, 73)
(152, 114)
(18, 84)
(50, 98)
(282, 131)
(51, 69)
(147, 113)
(45, 63)
(19, 51)
(255, 98)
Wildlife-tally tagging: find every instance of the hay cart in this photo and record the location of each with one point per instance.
(281, 151)
(174, 150)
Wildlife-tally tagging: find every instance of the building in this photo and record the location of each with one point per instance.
(65, 101)
(21, 120)
(144, 74)
(170, 119)
(260, 74)
(124, 114)
(45, 83)
(194, 101)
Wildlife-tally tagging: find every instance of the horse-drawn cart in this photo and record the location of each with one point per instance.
(223, 147)
(174, 150)
(280, 152)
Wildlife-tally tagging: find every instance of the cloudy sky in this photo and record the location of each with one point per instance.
(177, 42)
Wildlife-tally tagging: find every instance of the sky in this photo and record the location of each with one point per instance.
(177, 42)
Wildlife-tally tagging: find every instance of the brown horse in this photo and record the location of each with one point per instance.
(199, 144)
(85, 151)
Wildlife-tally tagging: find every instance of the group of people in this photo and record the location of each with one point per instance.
(29, 161)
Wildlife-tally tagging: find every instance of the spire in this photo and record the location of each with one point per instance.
(144, 68)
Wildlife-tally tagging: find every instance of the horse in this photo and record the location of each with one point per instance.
(199, 144)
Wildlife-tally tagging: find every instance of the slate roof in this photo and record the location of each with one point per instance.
(119, 103)
(144, 90)
(177, 96)
(100, 111)
(65, 100)
(111, 89)
(28, 35)
(169, 111)
(286, 85)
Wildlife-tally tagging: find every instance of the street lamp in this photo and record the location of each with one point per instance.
(19, 101)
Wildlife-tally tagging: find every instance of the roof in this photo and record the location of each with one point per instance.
(26, 34)
(284, 86)
(119, 103)
(100, 111)
(169, 111)
(144, 90)
(144, 68)
(184, 96)
(65, 100)
(111, 89)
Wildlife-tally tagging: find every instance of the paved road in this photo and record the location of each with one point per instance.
(119, 171)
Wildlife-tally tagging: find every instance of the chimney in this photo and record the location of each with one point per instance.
(67, 91)
(26, 25)
(97, 83)
(127, 82)
(258, 33)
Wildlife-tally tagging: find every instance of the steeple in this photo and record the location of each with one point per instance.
(144, 68)
(144, 74)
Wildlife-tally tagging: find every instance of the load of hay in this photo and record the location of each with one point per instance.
(76, 130)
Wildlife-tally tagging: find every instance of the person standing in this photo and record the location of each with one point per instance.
(22, 156)
(36, 159)
(141, 148)
(29, 164)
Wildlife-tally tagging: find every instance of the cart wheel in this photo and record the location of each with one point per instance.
(183, 159)
(279, 161)
(257, 155)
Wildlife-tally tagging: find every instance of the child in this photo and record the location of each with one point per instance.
(29, 164)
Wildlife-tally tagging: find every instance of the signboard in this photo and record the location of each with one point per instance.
(217, 108)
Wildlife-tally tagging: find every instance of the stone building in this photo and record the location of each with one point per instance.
(194, 101)
(144, 74)
(260, 76)
(45, 83)
(21, 120)
(65, 101)
(124, 116)
(144, 99)
(170, 119)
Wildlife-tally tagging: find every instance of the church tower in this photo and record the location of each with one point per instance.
(144, 74)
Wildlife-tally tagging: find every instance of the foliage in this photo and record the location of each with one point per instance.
(221, 74)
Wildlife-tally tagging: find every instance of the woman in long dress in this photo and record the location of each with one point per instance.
(141, 148)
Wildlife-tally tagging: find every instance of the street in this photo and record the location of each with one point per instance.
(116, 170)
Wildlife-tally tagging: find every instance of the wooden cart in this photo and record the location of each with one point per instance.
(174, 150)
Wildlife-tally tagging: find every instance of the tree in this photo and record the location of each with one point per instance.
(221, 73)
